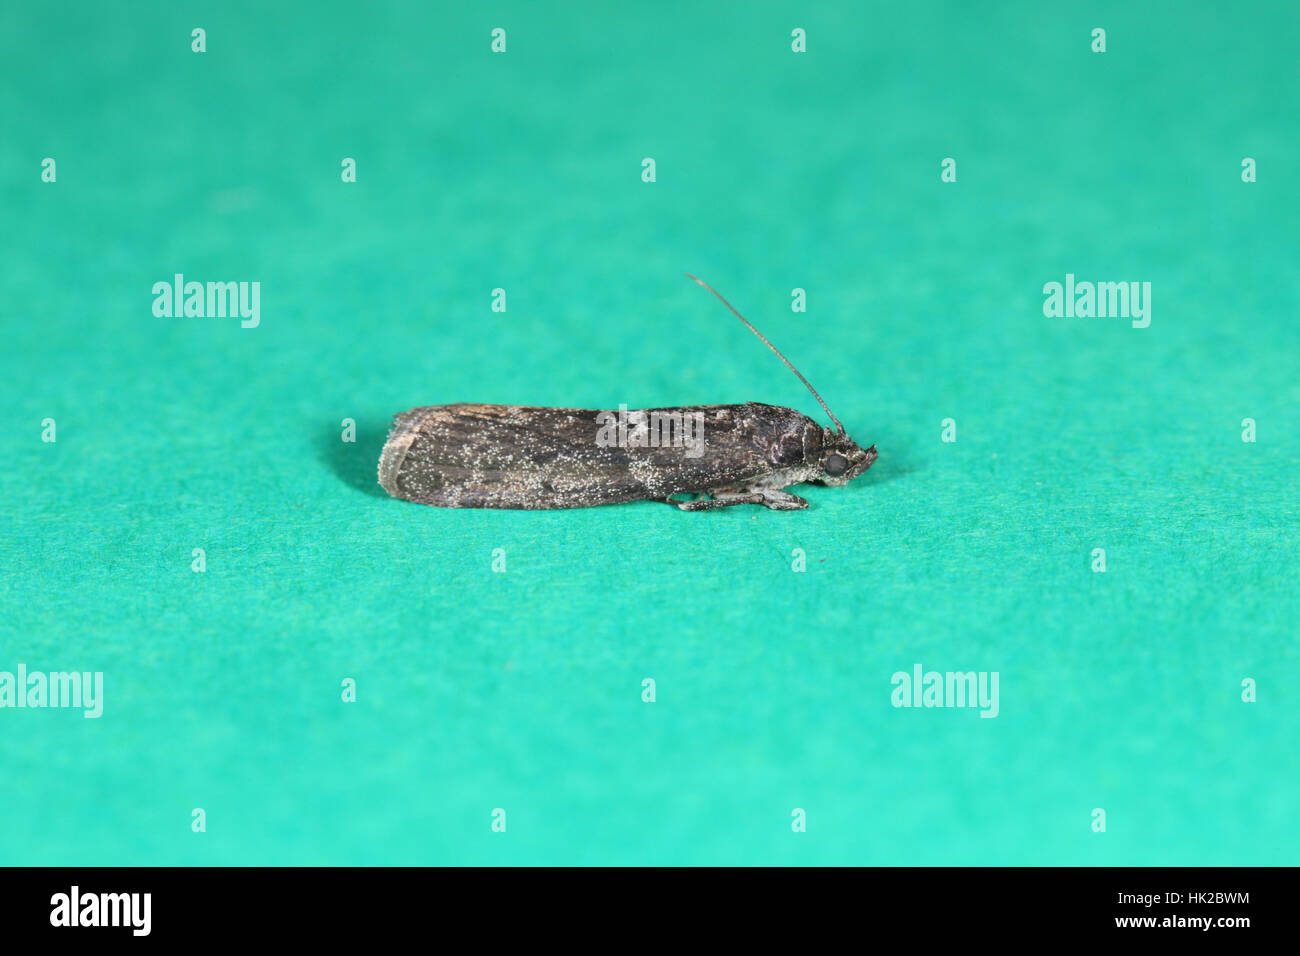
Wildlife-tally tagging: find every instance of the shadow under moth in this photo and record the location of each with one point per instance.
(515, 456)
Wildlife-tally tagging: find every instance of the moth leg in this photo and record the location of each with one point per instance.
(768, 497)
(721, 500)
(783, 500)
(772, 498)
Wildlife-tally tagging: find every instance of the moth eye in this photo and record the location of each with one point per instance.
(836, 465)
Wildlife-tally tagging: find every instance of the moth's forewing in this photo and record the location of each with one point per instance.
(512, 456)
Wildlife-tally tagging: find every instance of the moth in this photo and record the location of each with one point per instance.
(515, 456)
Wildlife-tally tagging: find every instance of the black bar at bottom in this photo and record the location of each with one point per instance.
(331, 906)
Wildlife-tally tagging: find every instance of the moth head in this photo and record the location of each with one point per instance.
(842, 459)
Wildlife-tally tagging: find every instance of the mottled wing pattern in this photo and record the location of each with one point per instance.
(512, 456)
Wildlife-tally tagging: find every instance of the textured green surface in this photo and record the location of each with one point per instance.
(522, 690)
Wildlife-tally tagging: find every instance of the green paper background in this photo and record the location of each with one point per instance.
(522, 690)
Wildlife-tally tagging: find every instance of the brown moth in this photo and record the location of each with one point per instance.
(517, 456)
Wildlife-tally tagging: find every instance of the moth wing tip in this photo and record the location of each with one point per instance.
(400, 436)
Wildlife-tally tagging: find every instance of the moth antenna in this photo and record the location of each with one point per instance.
(773, 348)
